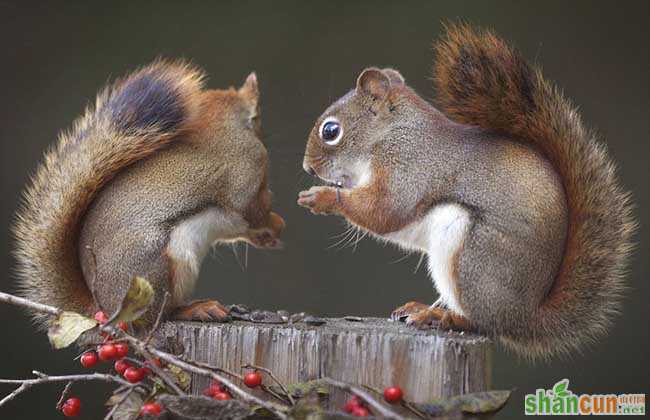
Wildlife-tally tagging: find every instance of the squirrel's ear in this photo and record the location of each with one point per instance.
(249, 89)
(373, 82)
(394, 76)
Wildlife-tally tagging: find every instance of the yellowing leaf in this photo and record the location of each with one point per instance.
(183, 379)
(67, 327)
(136, 302)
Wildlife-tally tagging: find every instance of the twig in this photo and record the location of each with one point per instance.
(403, 403)
(210, 367)
(273, 377)
(18, 301)
(42, 378)
(126, 395)
(144, 349)
(156, 324)
(381, 409)
(64, 394)
(279, 411)
(159, 372)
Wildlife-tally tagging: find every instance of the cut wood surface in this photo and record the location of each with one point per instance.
(374, 352)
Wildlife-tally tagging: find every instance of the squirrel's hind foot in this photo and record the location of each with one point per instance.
(203, 311)
(405, 311)
(422, 316)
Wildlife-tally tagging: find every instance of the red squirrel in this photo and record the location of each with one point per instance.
(516, 204)
(159, 170)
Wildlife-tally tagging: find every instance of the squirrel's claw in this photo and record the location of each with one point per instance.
(422, 316)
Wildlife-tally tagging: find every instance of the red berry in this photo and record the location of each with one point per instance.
(133, 374)
(100, 316)
(360, 411)
(222, 396)
(88, 359)
(253, 379)
(121, 366)
(123, 326)
(71, 407)
(213, 389)
(107, 352)
(393, 394)
(151, 408)
(121, 350)
(352, 403)
(155, 361)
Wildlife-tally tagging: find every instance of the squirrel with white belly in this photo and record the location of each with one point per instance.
(516, 204)
(152, 176)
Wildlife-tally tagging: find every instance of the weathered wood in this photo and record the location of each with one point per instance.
(375, 352)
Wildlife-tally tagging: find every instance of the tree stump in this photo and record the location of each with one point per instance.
(375, 352)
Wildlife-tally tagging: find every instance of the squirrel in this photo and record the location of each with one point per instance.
(516, 204)
(145, 182)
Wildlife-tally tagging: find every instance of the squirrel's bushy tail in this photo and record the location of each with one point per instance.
(131, 119)
(482, 81)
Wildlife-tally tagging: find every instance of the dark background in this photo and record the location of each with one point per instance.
(55, 57)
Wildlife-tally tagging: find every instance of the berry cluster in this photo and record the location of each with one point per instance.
(217, 391)
(357, 407)
(109, 351)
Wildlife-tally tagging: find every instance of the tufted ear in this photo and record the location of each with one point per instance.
(373, 82)
(394, 76)
(250, 91)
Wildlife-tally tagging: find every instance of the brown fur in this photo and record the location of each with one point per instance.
(482, 81)
(542, 262)
(100, 208)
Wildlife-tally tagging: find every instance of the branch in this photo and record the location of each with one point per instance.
(403, 403)
(272, 376)
(158, 319)
(159, 372)
(142, 348)
(18, 301)
(279, 411)
(42, 378)
(64, 394)
(380, 408)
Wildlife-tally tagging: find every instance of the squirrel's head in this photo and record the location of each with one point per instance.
(342, 140)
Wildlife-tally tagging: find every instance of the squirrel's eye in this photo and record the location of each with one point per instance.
(331, 131)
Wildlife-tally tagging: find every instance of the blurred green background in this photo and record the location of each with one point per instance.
(56, 55)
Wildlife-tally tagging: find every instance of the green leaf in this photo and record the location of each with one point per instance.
(67, 327)
(136, 302)
(474, 403)
(560, 388)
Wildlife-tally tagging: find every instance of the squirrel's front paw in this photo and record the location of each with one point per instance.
(320, 200)
(263, 238)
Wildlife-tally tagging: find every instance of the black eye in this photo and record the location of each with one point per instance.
(331, 131)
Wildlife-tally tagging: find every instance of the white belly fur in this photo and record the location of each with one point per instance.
(440, 234)
(190, 241)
